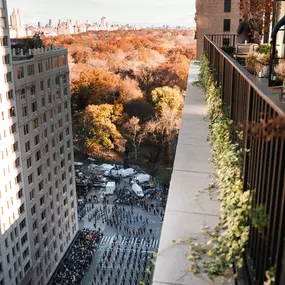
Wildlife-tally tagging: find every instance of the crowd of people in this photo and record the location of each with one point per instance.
(122, 218)
(124, 266)
(79, 257)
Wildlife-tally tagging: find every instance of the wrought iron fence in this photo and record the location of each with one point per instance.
(251, 107)
(222, 40)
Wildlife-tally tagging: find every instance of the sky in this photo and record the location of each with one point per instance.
(142, 12)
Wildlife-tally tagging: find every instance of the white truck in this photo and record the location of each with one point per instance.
(138, 190)
(141, 178)
(110, 188)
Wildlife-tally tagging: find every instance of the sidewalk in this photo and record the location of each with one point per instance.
(192, 172)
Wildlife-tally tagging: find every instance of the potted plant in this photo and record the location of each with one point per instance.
(250, 63)
(262, 64)
(280, 73)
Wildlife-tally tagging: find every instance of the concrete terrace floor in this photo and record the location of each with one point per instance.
(192, 172)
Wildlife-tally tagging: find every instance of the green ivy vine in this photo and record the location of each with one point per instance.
(225, 244)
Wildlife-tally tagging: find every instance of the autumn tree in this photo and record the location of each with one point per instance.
(101, 86)
(166, 98)
(258, 12)
(136, 133)
(129, 90)
(162, 130)
(100, 128)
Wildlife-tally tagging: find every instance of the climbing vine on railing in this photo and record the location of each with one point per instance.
(225, 244)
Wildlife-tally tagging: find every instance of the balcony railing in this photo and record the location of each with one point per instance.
(223, 39)
(250, 103)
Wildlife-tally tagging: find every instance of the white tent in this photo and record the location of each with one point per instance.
(126, 172)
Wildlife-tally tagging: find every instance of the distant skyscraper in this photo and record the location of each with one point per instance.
(16, 19)
(49, 22)
(17, 30)
(103, 23)
(39, 24)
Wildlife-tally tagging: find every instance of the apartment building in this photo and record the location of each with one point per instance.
(37, 189)
(15, 259)
(215, 17)
(45, 131)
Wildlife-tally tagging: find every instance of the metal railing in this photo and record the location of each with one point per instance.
(223, 39)
(249, 105)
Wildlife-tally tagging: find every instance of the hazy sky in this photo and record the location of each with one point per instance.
(171, 12)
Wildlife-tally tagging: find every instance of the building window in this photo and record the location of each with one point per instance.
(6, 59)
(19, 195)
(39, 170)
(55, 62)
(34, 106)
(43, 101)
(24, 111)
(22, 224)
(15, 147)
(227, 5)
(42, 85)
(13, 129)
(3, 40)
(62, 60)
(48, 65)
(23, 94)
(7, 76)
(21, 209)
(36, 123)
(2, 22)
(10, 94)
(20, 72)
(30, 179)
(27, 146)
(12, 112)
(37, 139)
(32, 194)
(26, 129)
(18, 178)
(227, 25)
(38, 155)
(33, 90)
(17, 162)
(40, 66)
(31, 69)
(29, 162)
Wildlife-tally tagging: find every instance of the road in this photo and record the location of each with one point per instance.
(130, 241)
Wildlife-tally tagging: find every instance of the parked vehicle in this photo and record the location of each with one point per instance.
(142, 178)
(110, 188)
(137, 190)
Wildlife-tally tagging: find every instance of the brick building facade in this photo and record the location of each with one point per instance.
(215, 17)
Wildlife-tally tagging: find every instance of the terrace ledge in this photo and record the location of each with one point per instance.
(192, 172)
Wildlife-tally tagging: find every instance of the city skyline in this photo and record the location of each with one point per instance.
(169, 12)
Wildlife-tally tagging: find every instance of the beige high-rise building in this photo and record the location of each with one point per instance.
(215, 17)
(17, 29)
(38, 217)
(15, 259)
